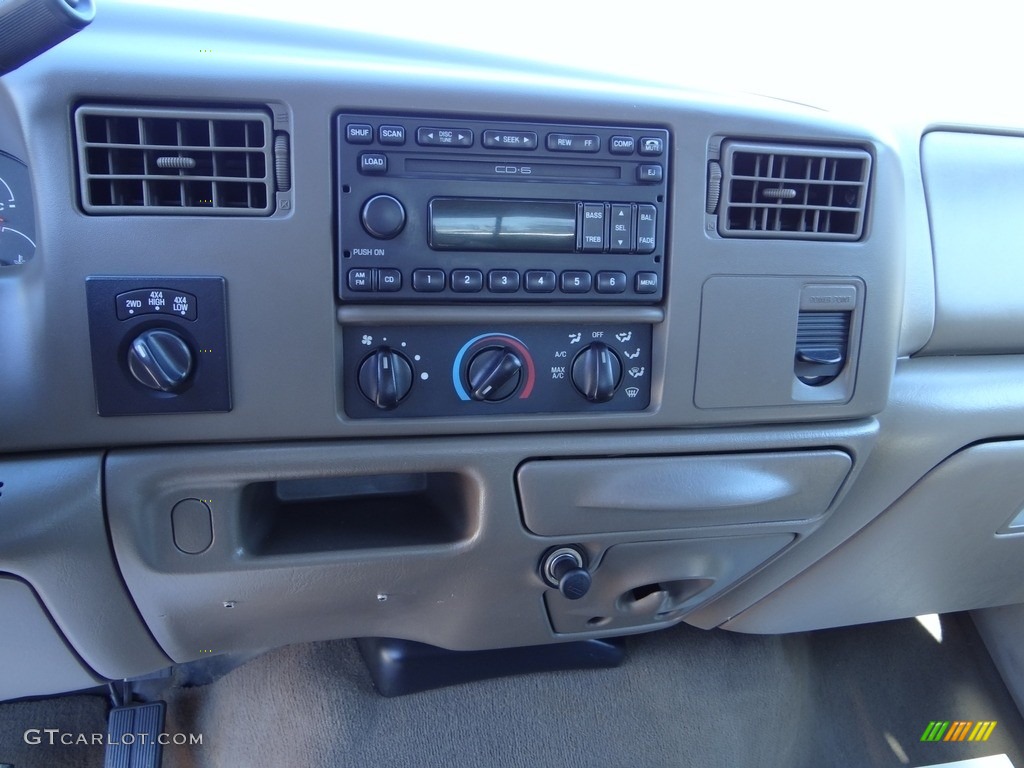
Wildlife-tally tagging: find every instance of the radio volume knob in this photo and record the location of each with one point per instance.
(383, 216)
(596, 372)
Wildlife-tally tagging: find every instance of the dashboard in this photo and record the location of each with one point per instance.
(328, 335)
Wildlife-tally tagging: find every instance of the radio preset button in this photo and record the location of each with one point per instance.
(651, 146)
(444, 137)
(391, 134)
(622, 145)
(573, 142)
(358, 133)
(540, 281)
(389, 280)
(509, 139)
(428, 280)
(383, 217)
(360, 279)
(373, 163)
(611, 282)
(620, 234)
(646, 282)
(593, 226)
(574, 281)
(503, 281)
(646, 228)
(649, 173)
(467, 280)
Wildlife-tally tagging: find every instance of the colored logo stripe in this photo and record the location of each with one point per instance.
(982, 731)
(958, 730)
(935, 731)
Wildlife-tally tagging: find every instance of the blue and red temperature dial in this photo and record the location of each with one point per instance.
(493, 367)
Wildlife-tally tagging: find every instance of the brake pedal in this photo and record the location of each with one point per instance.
(133, 733)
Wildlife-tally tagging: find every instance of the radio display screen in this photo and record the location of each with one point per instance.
(461, 224)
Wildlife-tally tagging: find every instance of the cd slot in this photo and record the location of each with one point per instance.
(510, 170)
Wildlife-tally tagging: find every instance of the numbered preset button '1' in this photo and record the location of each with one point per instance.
(428, 280)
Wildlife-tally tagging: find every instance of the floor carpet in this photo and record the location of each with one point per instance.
(853, 697)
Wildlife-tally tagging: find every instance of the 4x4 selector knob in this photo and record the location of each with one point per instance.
(596, 372)
(385, 378)
(383, 216)
(160, 359)
(494, 373)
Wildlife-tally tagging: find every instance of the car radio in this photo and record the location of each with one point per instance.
(445, 210)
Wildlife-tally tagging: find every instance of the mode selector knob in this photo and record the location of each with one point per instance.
(494, 373)
(160, 359)
(596, 372)
(383, 216)
(385, 378)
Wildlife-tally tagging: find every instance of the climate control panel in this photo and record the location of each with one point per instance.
(516, 368)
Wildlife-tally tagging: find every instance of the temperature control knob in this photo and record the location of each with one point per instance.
(160, 360)
(494, 373)
(385, 378)
(596, 372)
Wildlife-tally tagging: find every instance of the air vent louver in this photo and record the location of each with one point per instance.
(791, 192)
(175, 161)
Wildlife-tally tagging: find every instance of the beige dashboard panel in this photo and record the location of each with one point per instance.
(607, 495)
(975, 189)
(953, 542)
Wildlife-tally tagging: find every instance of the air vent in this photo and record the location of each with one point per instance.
(175, 161)
(822, 346)
(790, 192)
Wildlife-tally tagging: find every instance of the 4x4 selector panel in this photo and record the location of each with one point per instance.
(159, 344)
(505, 368)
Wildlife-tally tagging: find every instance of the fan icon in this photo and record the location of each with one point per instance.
(367, 340)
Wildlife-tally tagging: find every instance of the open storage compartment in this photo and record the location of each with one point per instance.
(360, 512)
